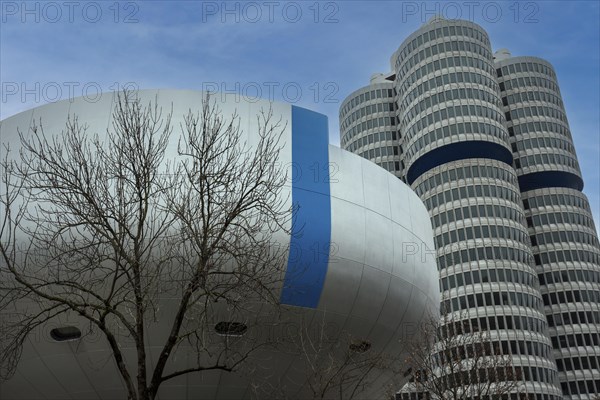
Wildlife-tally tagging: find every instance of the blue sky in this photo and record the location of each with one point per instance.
(310, 53)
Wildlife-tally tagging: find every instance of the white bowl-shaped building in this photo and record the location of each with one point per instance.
(379, 281)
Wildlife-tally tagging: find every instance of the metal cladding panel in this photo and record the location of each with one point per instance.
(341, 286)
(371, 295)
(27, 390)
(396, 228)
(9, 127)
(373, 215)
(351, 218)
(375, 182)
(379, 246)
(95, 114)
(396, 303)
(50, 117)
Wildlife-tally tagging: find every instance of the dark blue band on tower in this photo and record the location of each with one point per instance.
(458, 151)
(547, 179)
(311, 225)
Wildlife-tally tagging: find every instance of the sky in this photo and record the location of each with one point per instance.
(312, 54)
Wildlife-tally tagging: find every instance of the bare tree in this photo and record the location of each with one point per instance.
(333, 364)
(450, 360)
(104, 228)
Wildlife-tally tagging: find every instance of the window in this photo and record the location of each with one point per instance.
(65, 333)
(230, 328)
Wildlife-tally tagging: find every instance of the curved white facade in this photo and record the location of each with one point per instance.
(380, 281)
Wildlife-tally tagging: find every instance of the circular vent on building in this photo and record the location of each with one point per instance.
(65, 333)
(360, 346)
(230, 328)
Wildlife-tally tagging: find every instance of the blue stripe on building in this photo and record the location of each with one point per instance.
(548, 179)
(458, 151)
(311, 226)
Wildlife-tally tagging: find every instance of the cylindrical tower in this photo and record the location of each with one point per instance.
(367, 124)
(563, 235)
(458, 160)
